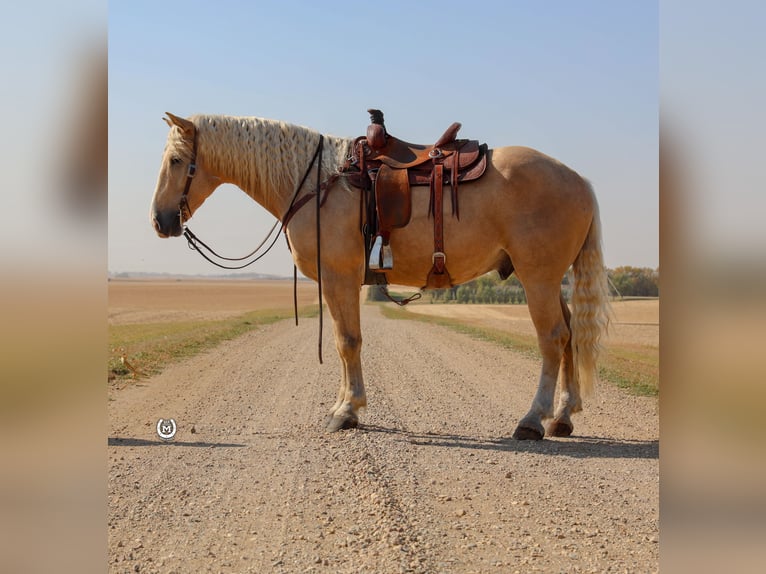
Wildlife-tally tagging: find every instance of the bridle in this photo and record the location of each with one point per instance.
(191, 171)
(198, 245)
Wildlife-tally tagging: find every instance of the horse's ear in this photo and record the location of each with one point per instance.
(186, 126)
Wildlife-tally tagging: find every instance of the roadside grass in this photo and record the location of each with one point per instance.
(144, 349)
(631, 368)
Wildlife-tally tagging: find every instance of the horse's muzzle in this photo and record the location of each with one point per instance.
(167, 224)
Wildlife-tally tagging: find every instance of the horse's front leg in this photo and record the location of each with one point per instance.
(343, 302)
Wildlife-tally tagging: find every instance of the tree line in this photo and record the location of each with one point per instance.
(625, 281)
(635, 281)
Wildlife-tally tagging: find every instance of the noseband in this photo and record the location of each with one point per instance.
(183, 204)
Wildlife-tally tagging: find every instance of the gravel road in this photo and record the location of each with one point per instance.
(430, 482)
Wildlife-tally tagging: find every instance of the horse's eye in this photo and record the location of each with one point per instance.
(175, 160)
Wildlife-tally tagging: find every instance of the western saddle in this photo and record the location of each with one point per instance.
(384, 168)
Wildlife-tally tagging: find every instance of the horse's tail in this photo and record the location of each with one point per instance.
(591, 310)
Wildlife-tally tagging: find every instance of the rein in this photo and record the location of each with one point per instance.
(196, 244)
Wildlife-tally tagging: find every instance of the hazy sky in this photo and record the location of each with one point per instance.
(576, 80)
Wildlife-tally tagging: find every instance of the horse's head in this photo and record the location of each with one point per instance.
(183, 183)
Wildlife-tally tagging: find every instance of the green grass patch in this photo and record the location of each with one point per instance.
(634, 369)
(149, 347)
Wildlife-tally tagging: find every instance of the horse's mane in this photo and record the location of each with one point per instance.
(265, 156)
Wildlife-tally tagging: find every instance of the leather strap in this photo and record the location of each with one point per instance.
(438, 276)
(453, 184)
(295, 207)
(438, 189)
(191, 170)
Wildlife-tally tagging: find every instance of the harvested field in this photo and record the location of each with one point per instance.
(148, 301)
(636, 322)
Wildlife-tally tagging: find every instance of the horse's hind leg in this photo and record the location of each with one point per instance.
(343, 301)
(569, 397)
(552, 338)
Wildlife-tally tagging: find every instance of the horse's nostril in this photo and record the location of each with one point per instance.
(157, 223)
(166, 224)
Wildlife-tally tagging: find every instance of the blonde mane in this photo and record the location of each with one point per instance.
(266, 158)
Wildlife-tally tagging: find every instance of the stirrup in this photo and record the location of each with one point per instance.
(375, 253)
(381, 256)
(388, 258)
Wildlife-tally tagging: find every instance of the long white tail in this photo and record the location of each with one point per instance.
(591, 311)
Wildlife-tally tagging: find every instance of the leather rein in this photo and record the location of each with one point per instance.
(195, 243)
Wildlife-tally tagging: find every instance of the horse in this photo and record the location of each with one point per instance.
(528, 214)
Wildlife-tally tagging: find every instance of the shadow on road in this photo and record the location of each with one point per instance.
(575, 446)
(119, 441)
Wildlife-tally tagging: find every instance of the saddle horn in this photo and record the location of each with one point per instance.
(376, 131)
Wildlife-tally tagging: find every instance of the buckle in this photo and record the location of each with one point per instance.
(191, 170)
(438, 254)
(435, 153)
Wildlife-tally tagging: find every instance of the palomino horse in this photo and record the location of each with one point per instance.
(528, 214)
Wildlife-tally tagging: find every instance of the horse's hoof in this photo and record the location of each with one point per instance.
(560, 428)
(527, 433)
(342, 423)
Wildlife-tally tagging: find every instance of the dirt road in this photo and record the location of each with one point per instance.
(430, 482)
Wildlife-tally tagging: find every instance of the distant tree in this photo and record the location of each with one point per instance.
(485, 291)
(488, 288)
(635, 281)
(464, 293)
